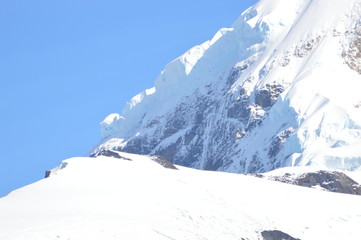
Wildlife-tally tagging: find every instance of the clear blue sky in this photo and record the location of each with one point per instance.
(65, 65)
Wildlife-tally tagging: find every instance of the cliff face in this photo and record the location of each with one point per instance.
(278, 88)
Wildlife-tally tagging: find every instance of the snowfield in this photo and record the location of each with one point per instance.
(109, 198)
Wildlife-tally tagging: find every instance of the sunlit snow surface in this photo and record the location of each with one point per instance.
(297, 45)
(108, 198)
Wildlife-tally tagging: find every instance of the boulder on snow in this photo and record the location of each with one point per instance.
(276, 235)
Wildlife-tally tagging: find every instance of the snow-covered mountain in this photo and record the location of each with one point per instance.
(278, 88)
(133, 197)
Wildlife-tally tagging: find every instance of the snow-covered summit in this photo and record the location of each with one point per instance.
(278, 88)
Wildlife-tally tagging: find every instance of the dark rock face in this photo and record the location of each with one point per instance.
(61, 166)
(268, 96)
(255, 164)
(276, 235)
(170, 151)
(109, 153)
(277, 142)
(240, 109)
(47, 173)
(329, 181)
(236, 72)
(208, 128)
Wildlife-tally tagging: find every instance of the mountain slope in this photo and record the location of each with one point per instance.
(136, 198)
(278, 88)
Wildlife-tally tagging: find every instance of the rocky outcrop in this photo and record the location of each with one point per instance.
(276, 235)
(305, 48)
(267, 96)
(47, 173)
(277, 142)
(158, 159)
(352, 52)
(326, 180)
(162, 161)
(109, 153)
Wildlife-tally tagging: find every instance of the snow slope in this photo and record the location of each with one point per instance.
(108, 198)
(279, 88)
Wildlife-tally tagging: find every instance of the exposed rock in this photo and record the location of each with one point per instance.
(235, 73)
(162, 161)
(110, 153)
(277, 142)
(139, 145)
(170, 151)
(352, 52)
(240, 67)
(202, 130)
(286, 59)
(47, 173)
(305, 48)
(255, 165)
(267, 96)
(240, 110)
(357, 105)
(331, 181)
(276, 235)
(255, 118)
(62, 165)
(255, 175)
(326, 180)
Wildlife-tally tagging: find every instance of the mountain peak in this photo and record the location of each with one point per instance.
(278, 88)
